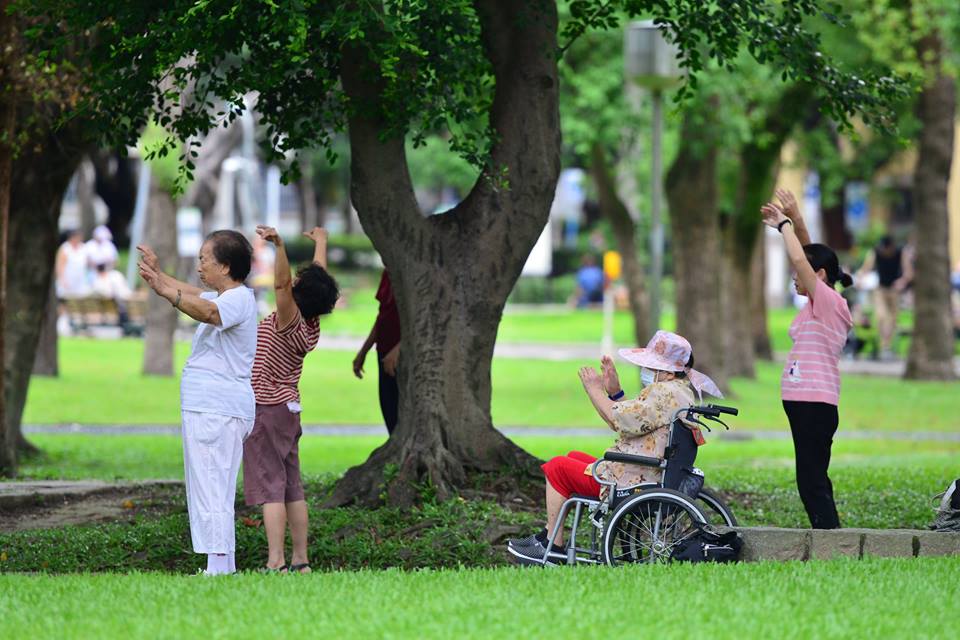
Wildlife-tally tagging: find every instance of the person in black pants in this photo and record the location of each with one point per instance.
(810, 384)
(813, 425)
(386, 335)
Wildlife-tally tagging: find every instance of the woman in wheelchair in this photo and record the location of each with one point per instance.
(642, 426)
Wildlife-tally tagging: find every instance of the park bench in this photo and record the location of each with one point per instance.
(94, 311)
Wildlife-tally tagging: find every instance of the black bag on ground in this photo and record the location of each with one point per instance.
(709, 545)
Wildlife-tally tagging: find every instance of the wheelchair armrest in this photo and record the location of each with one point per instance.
(613, 456)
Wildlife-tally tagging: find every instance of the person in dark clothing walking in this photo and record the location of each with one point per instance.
(810, 385)
(894, 272)
(386, 335)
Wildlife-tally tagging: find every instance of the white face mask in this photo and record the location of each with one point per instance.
(647, 376)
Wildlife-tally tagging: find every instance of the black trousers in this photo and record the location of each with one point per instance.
(813, 425)
(389, 397)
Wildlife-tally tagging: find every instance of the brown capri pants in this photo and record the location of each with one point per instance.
(271, 459)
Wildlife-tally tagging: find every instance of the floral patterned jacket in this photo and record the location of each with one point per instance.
(643, 429)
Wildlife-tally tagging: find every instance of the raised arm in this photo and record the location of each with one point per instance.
(287, 311)
(186, 301)
(149, 258)
(791, 210)
(593, 385)
(319, 237)
(774, 217)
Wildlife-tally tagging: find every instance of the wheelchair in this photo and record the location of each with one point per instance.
(647, 521)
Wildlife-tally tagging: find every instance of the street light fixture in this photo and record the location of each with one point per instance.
(651, 62)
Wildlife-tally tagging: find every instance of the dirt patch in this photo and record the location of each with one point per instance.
(108, 505)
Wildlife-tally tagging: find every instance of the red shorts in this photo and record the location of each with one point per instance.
(567, 474)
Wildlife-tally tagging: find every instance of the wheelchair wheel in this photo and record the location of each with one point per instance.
(715, 509)
(648, 526)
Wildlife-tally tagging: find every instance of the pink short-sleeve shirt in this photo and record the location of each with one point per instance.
(812, 372)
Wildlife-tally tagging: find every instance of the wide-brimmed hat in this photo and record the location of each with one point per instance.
(669, 351)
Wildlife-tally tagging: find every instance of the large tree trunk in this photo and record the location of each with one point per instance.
(615, 211)
(161, 234)
(86, 190)
(931, 350)
(691, 189)
(758, 301)
(452, 272)
(8, 111)
(40, 178)
(736, 320)
(46, 362)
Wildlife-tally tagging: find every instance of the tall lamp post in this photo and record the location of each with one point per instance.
(651, 62)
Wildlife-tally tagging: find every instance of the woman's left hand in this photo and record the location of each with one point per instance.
(150, 275)
(772, 215)
(611, 381)
(590, 379)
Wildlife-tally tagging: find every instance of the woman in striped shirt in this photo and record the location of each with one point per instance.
(810, 385)
(271, 463)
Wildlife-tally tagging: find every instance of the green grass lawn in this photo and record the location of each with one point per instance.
(839, 599)
(527, 324)
(101, 383)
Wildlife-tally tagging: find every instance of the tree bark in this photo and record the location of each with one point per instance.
(452, 272)
(691, 190)
(8, 109)
(161, 320)
(40, 179)
(46, 362)
(931, 350)
(86, 179)
(758, 301)
(615, 211)
(310, 214)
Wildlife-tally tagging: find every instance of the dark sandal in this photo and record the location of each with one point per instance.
(298, 568)
(272, 570)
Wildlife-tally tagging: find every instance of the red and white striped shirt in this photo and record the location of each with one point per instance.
(279, 360)
(819, 331)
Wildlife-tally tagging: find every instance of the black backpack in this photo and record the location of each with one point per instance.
(709, 545)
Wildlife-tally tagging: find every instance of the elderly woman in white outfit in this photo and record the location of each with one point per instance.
(216, 398)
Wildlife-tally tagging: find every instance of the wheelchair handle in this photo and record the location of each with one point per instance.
(714, 410)
(613, 456)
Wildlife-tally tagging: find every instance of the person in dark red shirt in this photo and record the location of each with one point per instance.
(386, 335)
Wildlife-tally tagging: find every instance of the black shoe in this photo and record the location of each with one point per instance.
(540, 536)
(536, 553)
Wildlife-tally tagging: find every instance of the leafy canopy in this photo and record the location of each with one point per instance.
(188, 64)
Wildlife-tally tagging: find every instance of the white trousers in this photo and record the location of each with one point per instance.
(212, 451)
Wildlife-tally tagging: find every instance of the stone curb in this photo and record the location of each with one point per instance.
(769, 543)
(16, 495)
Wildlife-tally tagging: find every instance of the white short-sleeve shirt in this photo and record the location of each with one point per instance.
(216, 377)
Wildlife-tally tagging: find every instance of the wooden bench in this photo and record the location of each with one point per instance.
(94, 311)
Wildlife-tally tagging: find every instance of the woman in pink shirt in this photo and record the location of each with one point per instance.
(810, 385)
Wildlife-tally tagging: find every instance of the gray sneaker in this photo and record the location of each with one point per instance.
(534, 554)
(540, 536)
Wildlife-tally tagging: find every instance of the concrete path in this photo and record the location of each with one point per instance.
(511, 431)
(36, 492)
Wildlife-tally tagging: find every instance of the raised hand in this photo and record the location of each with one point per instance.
(269, 234)
(611, 381)
(789, 205)
(590, 379)
(317, 234)
(148, 257)
(772, 214)
(150, 275)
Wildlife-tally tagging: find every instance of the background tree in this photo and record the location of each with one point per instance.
(35, 166)
(485, 70)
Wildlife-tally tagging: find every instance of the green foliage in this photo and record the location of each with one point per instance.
(189, 64)
(161, 151)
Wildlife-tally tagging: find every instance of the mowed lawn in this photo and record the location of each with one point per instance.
(893, 598)
(101, 382)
